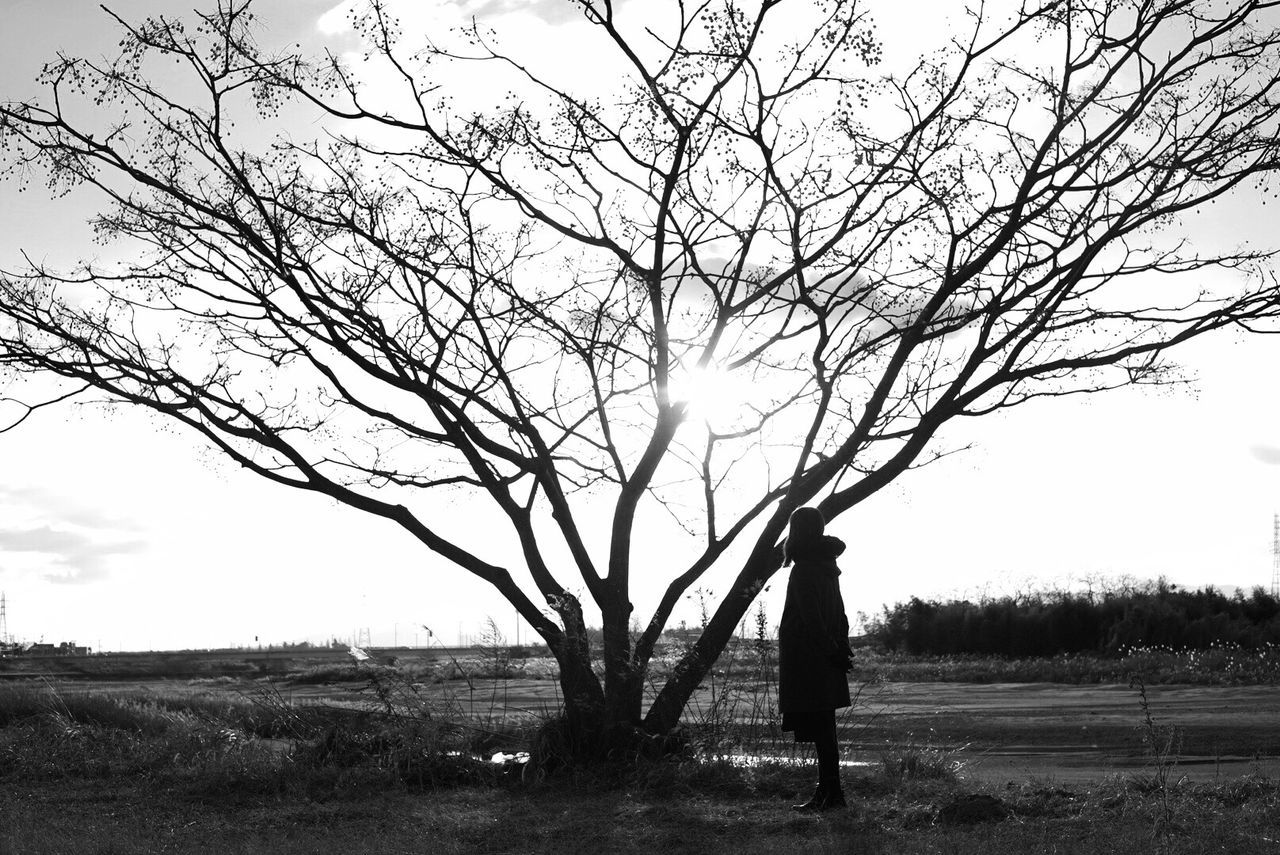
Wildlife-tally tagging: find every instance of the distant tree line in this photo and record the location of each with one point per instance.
(1057, 622)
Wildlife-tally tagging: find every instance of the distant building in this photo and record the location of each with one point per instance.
(66, 648)
(11, 648)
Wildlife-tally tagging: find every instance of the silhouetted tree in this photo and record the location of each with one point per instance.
(519, 299)
(1066, 622)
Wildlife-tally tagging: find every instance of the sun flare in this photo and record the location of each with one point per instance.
(711, 394)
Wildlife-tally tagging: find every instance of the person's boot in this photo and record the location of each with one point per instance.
(834, 797)
(817, 801)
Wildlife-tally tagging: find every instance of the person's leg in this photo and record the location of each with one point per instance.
(808, 725)
(822, 732)
(827, 748)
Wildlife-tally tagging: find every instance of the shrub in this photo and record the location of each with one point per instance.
(1108, 622)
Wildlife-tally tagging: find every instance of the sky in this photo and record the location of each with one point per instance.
(122, 533)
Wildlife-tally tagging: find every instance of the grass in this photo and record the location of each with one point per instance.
(193, 772)
(709, 814)
(746, 659)
(401, 766)
(1220, 665)
(910, 761)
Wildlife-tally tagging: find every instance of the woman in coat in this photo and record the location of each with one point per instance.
(814, 657)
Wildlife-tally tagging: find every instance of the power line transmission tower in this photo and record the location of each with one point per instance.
(4, 620)
(1275, 557)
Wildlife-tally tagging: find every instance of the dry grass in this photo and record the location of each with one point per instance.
(102, 773)
(586, 817)
(1218, 666)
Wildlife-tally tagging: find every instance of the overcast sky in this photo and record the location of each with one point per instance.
(117, 531)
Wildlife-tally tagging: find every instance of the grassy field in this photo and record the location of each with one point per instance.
(1218, 666)
(211, 766)
(310, 752)
(685, 815)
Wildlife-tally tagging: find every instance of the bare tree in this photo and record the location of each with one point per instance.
(519, 302)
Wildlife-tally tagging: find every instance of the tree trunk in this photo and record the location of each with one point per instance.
(603, 720)
(583, 707)
(621, 697)
(584, 701)
(664, 714)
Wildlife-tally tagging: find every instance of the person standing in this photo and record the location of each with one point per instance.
(814, 656)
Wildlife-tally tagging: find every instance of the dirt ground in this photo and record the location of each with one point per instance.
(1074, 732)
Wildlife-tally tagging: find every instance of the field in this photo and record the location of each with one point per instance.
(322, 755)
(1065, 718)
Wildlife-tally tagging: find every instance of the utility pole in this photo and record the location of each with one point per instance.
(1275, 557)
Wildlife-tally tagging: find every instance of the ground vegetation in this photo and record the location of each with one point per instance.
(183, 774)
(1113, 621)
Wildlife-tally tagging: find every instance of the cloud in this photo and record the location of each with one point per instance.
(551, 11)
(338, 18)
(53, 505)
(74, 544)
(1266, 453)
(75, 557)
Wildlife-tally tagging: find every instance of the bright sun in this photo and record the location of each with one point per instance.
(713, 395)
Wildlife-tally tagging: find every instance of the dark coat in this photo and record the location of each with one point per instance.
(813, 638)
